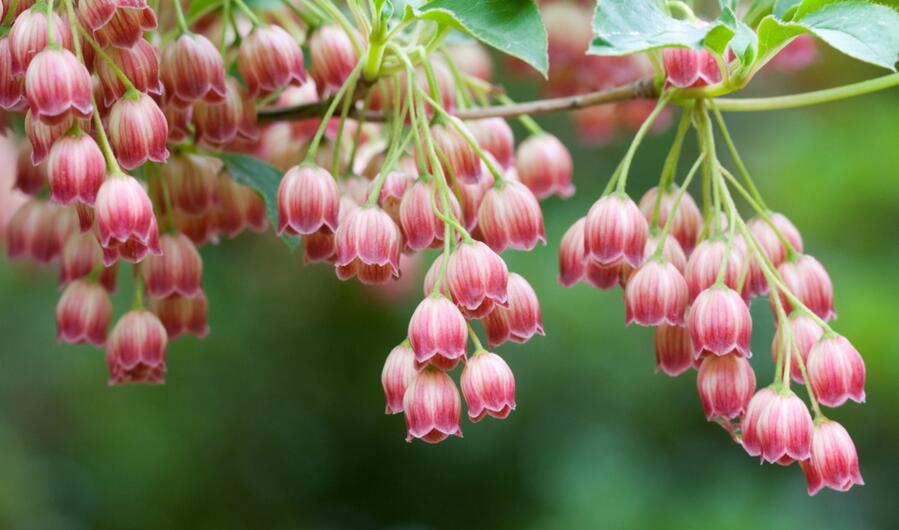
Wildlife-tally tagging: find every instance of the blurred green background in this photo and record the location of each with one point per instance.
(276, 421)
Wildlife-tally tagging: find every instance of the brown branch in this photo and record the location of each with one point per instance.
(643, 89)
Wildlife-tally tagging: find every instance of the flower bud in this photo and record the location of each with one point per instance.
(396, 376)
(510, 216)
(457, 158)
(520, 320)
(432, 407)
(79, 256)
(749, 424)
(836, 371)
(192, 182)
(471, 196)
(135, 351)
(725, 383)
(784, 429)
(75, 169)
(476, 275)
(603, 277)
(333, 57)
(720, 323)
(138, 131)
(705, 264)
(140, 64)
(674, 349)
(488, 386)
(12, 86)
(805, 333)
(30, 177)
(239, 207)
(772, 246)
(687, 219)
(192, 68)
(270, 59)
(368, 246)
(798, 54)
(220, 122)
(471, 58)
(438, 333)
(181, 315)
(656, 294)
(127, 26)
(495, 137)
(32, 232)
(177, 271)
(308, 200)
(125, 220)
(615, 230)
(199, 228)
(179, 122)
(83, 314)
(808, 280)
(571, 254)
(686, 68)
(42, 136)
(544, 165)
(58, 87)
(834, 460)
(28, 36)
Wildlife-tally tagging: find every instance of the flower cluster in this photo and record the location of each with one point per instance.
(691, 274)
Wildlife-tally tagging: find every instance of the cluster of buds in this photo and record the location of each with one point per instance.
(692, 276)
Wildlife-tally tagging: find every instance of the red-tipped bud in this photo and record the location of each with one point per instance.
(80, 255)
(458, 159)
(571, 254)
(544, 165)
(476, 275)
(809, 281)
(438, 333)
(836, 371)
(33, 232)
(138, 131)
(687, 219)
(784, 429)
(83, 314)
(220, 122)
(396, 376)
(28, 37)
(749, 424)
(95, 13)
(834, 459)
(140, 64)
(270, 59)
(75, 169)
(127, 26)
(177, 271)
(805, 334)
(690, 68)
(192, 68)
(798, 54)
(368, 246)
(319, 246)
(656, 294)
(200, 228)
(42, 136)
(125, 220)
(308, 200)
(510, 216)
(471, 196)
(135, 351)
(674, 349)
(705, 263)
(179, 122)
(615, 230)
(725, 383)
(333, 57)
(432, 407)
(239, 207)
(12, 86)
(520, 319)
(603, 277)
(495, 136)
(488, 386)
(181, 315)
(772, 246)
(420, 224)
(58, 87)
(720, 323)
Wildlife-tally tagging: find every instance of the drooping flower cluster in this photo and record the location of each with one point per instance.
(692, 274)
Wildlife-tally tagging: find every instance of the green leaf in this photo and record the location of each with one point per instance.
(513, 27)
(865, 31)
(744, 43)
(622, 27)
(728, 4)
(263, 178)
(781, 7)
